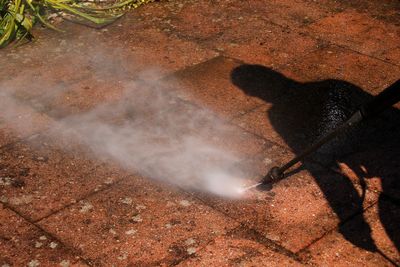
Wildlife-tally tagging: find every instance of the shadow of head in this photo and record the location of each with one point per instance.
(268, 84)
(260, 81)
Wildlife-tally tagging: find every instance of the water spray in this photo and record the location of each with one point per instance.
(379, 103)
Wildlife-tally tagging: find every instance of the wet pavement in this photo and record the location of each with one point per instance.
(274, 75)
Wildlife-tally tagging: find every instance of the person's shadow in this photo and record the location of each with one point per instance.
(302, 112)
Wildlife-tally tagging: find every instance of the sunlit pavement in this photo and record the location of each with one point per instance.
(275, 74)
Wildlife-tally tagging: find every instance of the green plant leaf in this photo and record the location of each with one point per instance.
(16, 21)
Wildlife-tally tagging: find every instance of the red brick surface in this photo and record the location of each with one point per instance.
(287, 13)
(39, 178)
(236, 250)
(23, 244)
(335, 249)
(257, 41)
(137, 222)
(209, 84)
(350, 28)
(333, 62)
(256, 78)
(296, 211)
(21, 122)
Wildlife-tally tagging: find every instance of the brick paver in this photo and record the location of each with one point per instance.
(338, 249)
(261, 79)
(350, 29)
(238, 249)
(39, 178)
(23, 244)
(137, 222)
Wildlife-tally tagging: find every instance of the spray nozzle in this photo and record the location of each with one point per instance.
(274, 175)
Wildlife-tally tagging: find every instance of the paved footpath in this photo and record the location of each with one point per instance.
(275, 73)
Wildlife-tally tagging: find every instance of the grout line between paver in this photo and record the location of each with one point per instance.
(92, 193)
(70, 249)
(269, 244)
(73, 250)
(9, 145)
(360, 53)
(187, 257)
(336, 227)
(245, 112)
(316, 37)
(241, 228)
(394, 263)
(310, 34)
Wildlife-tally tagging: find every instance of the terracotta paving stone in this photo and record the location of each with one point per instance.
(209, 84)
(191, 20)
(256, 167)
(38, 177)
(16, 119)
(257, 41)
(230, 28)
(286, 13)
(154, 48)
(23, 244)
(187, 120)
(6, 135)
(23, 122)
(264, 115)
(131, 51)
(60, 90)
(151, 117)
(257, 121)
(335, 249)
(236, 250)
(299, 209)
(200, 20)
(359, 32)
(49, 52)
(391, 55)
(54, 88)
(154, 12)
(81, 97)
(73, 98)
(137, 222)
(385, 10)
(332, 62)
(145, 42)
(100, 74)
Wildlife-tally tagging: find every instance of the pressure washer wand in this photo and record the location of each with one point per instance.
(379, 103)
